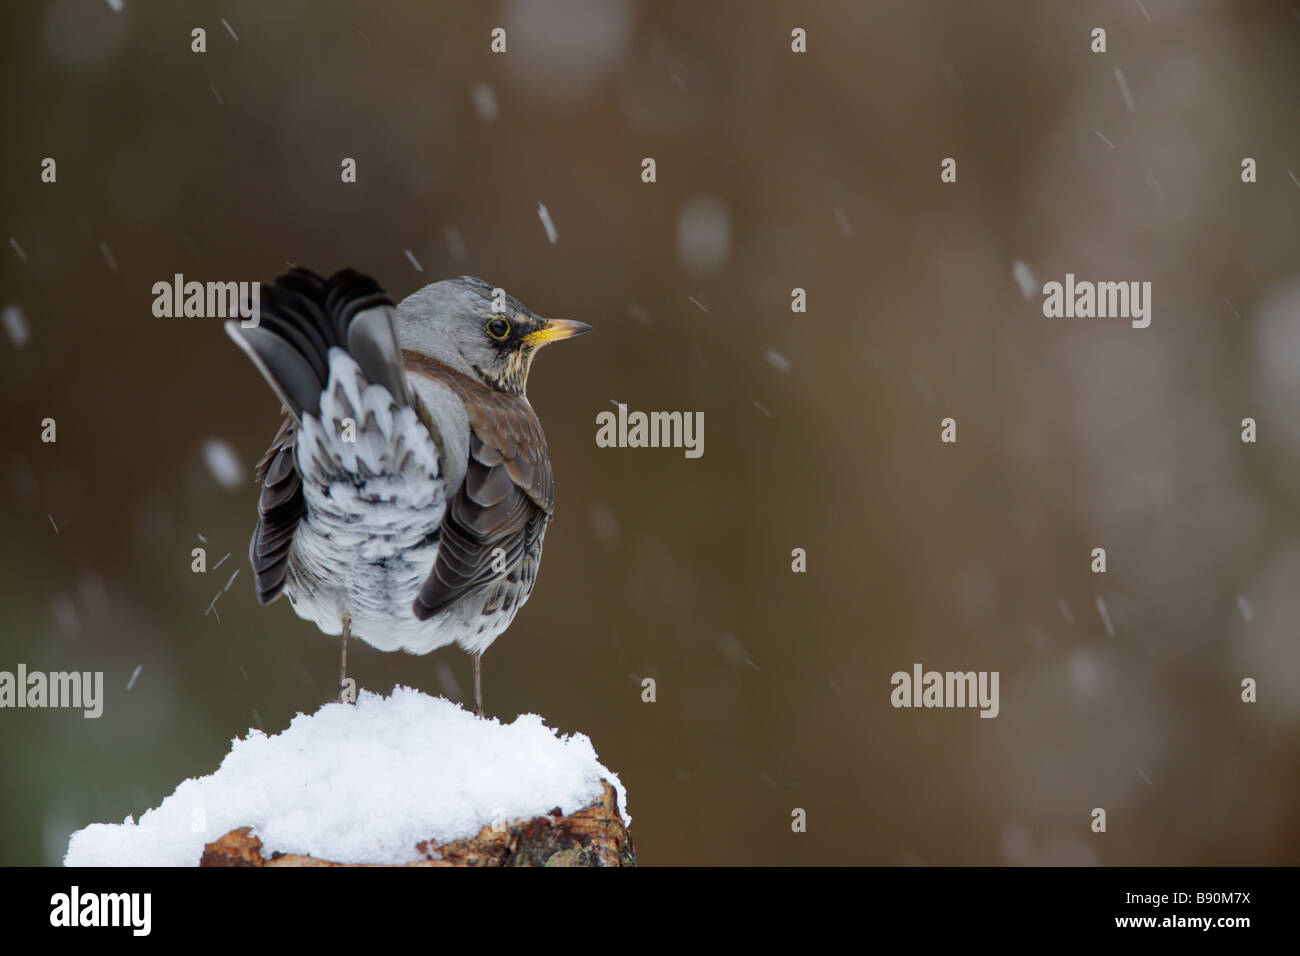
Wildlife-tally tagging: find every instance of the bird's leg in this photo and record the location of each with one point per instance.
(478, 685)
(343, 664)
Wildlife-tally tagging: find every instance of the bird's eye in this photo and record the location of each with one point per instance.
(498, 329)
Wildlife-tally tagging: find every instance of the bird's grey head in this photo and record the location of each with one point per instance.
(490, 337)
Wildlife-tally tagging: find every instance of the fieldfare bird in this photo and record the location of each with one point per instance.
(405, 497)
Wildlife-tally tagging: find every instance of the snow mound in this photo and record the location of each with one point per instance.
(362, 784)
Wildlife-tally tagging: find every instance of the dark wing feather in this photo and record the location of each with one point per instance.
(505, 501)
(302, 316)
(279, 508)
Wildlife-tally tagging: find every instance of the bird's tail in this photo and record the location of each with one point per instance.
(303, 316)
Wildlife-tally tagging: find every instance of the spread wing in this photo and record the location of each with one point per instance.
(302, 318)
(504, 503)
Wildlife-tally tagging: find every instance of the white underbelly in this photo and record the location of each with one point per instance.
(368, 539)
(374, 504)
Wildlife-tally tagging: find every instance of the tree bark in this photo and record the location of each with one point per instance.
(593, 836)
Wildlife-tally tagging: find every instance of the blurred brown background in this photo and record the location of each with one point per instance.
(775, 171)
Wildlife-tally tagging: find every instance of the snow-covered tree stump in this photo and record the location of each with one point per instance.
(593, 836)
(402, 780)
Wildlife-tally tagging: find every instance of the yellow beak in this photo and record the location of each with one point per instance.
(553, 331)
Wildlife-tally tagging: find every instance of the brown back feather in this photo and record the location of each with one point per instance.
(506, 499)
